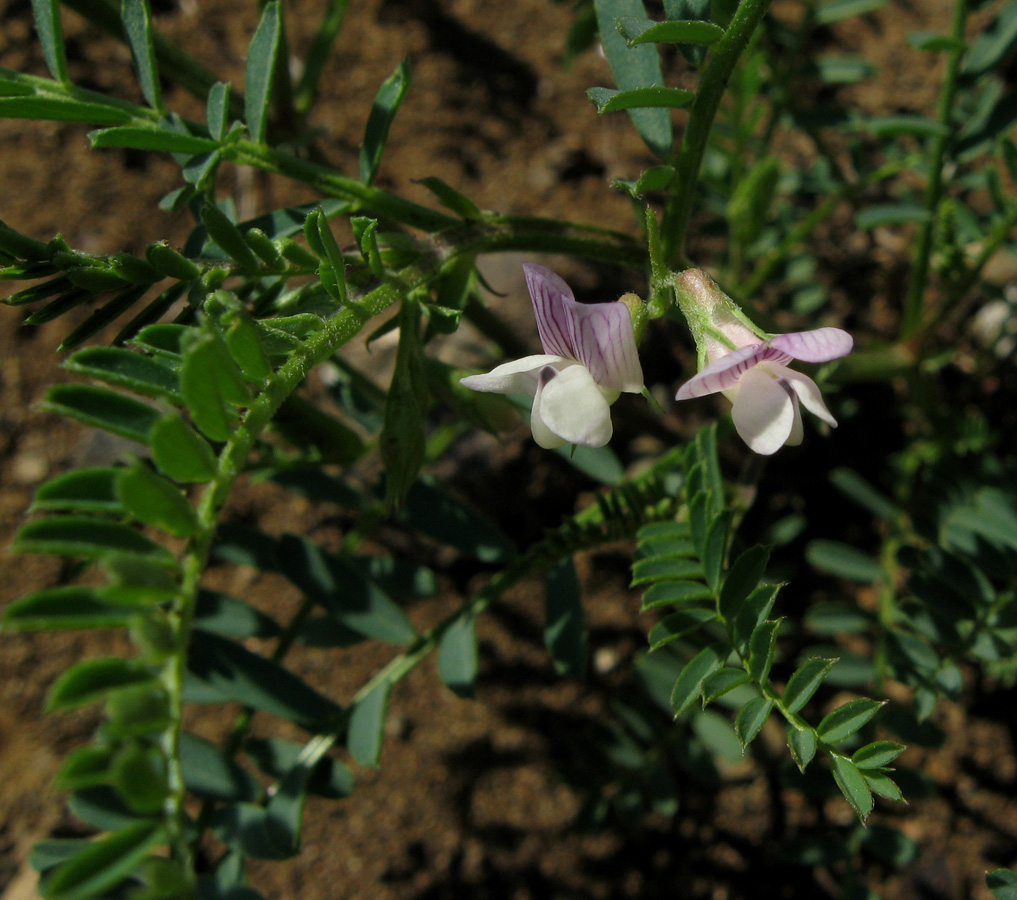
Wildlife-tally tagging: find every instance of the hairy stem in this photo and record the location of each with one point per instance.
(724, 56)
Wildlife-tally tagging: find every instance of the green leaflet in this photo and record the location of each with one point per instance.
(262, 58)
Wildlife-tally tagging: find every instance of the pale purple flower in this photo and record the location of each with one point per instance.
(765, 392)
(589, 359)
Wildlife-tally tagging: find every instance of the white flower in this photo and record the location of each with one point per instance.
(589, 359)
(754, 376)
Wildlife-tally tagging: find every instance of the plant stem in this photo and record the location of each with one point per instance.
(915, 302)
(724, 56)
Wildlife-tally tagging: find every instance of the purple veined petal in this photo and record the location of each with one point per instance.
(516, 377)
(808, 392)
(726, 371)
(548, 292)
(819, 345)
(764, 412)
(603, 340)
(571, 406)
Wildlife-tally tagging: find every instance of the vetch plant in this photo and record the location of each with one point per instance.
(805, 613)
(589, 359)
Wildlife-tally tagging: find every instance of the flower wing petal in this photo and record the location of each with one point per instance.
(549, 293)
(725, 372)
(572, 407)
(603, 340)
(808, 392)
(819, 345)
(543, 435)
(764, 412)
(516, 377)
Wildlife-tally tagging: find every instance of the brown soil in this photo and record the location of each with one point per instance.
(469, 800)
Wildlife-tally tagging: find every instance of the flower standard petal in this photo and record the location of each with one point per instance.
(549, 293)
(819, 345)
(726, 371)
(571, 405)
(764, 411)
(516, 377)
(602, 339)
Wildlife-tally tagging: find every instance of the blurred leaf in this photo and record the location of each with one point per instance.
(690, 682)
(249, 829)
(102, 408)
(749, 207)
(228, 616)
(367, 723)
(634, 68)
(210, 774)
(49, 27)
(1002, 883)
(277, 756)
(139, 774)
(69, 607)
(894, 126)
(90, 681)
(565, 633)
(180, 452)
(386, 105)
(138, 27)
(102, 807)
(843, 561)
(599, 463)
(343, 591)
(847, 719)
(261, 67)
(218, 110)
(153, 500)
(431, 510)
(648, 571)
(229, 671)
(674, 592)
(402, 437)
(993, 44)
(87, 538)
(641, 31)
(805, 682)
(936, 43)
(891, 214)
(714, 549)
(104, 863)
(844, 69)
(856, 488)
(457, 655)
(834, 10)
(608, 100)
(81, 490)
(751, 718)
(836, 618)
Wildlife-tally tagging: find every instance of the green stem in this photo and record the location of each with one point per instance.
(724, 56)
(915, 302)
